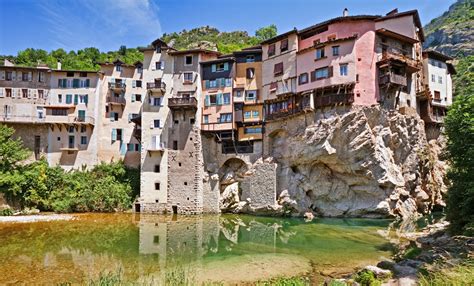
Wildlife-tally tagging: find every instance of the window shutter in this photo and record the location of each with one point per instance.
(330, 71)
(13, 75)
(114, 134)
(213, 68)
(208, 85)
(222, 82)
(162, 65)
(134, 83)
(86, 98)
(76, 99)
(226, 66)
(29, 93)
(313, 75)
(88, 82)
(112, 116)
(1, 92)
(219, 99)
(2, 75)
(133, 98)
(20, 76)
(129, 117)
(30, 76)
(68, 98)
(207, 101)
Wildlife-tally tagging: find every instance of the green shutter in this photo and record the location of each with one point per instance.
(208, 85)
(81, 113)
(75, 83)
(219, 99)
(68, 98)
(207, 101)
(222, 82)
(86, 98)
(88, 82)
(76, 99)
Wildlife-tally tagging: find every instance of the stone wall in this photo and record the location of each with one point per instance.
(259, 185)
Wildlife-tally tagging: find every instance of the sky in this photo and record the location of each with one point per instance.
(108, 24)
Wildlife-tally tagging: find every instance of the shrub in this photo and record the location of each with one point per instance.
(6, 212)
(367, 278)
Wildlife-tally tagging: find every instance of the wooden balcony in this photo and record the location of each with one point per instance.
(393, 79)
(176, 103)
(117, 86)
(156, 148)
(391, 55)
(213, 127)
(333, 99)
(156, 87)
(116, 100)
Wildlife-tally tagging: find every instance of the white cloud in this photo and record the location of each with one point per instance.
(105, 24)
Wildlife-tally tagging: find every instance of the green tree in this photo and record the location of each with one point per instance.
(460, 147)
(12, 151)
(266, 33)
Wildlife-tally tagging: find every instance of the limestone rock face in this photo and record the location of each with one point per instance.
(366, 162)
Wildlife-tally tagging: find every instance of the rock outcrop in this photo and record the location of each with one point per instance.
(364, 162)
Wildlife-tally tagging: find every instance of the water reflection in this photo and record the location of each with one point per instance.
(219, 248)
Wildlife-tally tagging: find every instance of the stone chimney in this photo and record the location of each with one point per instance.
(59, 65)
(345, 13)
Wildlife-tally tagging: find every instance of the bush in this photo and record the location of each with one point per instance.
(367, 278)
(6, 212)
(460, 147)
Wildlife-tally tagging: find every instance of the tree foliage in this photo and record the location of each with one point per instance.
(105, 188)
(266, 33)
(460, 147)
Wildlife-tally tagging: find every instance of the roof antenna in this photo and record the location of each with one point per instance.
(345, 13)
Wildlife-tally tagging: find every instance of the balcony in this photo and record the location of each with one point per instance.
(117, 86)
(175, 103)
(84, 120)
(156, 148)
(156, 87)
(333, 99)
(70, 119)
(69, 147)
(116, 100)
(278, 109)
(393, 79)
(213, 127)
(391, 55)
(22, 118)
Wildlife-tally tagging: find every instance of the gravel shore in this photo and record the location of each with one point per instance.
(35, 218)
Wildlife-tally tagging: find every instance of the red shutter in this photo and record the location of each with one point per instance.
(313, 76)
(284, 45)
(278, 69)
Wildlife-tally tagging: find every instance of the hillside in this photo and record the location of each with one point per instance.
(452, 34)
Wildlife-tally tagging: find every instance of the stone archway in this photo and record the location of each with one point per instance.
(232, 171)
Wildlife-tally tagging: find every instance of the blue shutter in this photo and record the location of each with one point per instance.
(76, 99)
(68, 98)
(207, 101)
(88, 82)
(222, 82)
(123, 148)
(114, 134)
(208, 85)
(86, 99)
(112, 116)
(219, 99)
(213, 68)
(226, 66)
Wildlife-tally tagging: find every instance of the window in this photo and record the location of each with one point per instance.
(303, 78)
(251, 95)
(140, 69)
(226, 98)
(70, 74)
(192, 121)
(284, 45)
(225, 118)
(9, 75)
(24, 93)
(250, 73)
(157, 186)
(228, 82)
(320, 53)
(437, 96)
(271, 50)
(175, 145)
(252, 130)
(343, 69)
(212, 99)
(206, 119)
(137, 97)
(188, 60)
(335, 50)
(40, 93)
(158, 49)
(8, 92)
(137, 147)
(278, 69)
(71, 129)
(331, 37)
(155, 101)
(273, 86)
(59, 112)
(408, 103)
(130, 147)
(157, 168)
(24, 76)
(159, 65)
(188, 77)
(255, 114)
(41, 76)
(83, 128)
(238, 93)
(433, 78)
(440, 79)
(83, 98)
(156, 123)
(118, 68)
(83, 140)
(250, 59)
(321, 73)
(138, 83)
(220, 67)
(247, 114)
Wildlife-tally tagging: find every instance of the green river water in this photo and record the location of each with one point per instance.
(228, 248)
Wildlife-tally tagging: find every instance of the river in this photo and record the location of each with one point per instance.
(148, 248)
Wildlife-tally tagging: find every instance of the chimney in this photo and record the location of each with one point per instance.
(345, 13)
(59, 65)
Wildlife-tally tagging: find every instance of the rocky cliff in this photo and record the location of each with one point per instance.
(362, 162)
(452, 32)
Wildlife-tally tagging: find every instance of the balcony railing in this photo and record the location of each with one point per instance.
(68, 119)
(154, 147)
(116, 100)
(182, 102)
(333, 99)
(84, 119)
(391, 53)
(217, 126)
(117, 85)
(22, 118)
(70, 147)
(156, 86)
(391, 78)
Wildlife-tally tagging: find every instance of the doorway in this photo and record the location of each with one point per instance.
(175, 209)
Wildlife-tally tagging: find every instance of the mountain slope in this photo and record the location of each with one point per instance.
(452, 32)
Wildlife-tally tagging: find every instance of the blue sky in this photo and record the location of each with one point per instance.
(107, 24)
